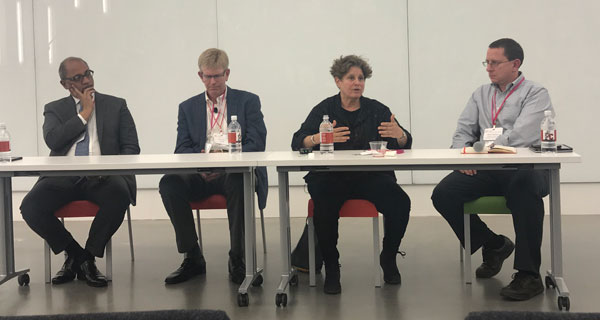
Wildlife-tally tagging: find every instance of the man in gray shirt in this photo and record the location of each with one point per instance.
(508, 111)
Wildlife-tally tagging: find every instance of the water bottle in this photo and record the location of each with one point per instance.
(234, 135)
(548, 132)
(4, 144)
(326, 134)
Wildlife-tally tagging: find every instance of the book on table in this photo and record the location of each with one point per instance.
(490, 149)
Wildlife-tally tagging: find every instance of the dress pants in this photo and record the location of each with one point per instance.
(523, 189)
(330, 190)
(49, 194)
(178, 190)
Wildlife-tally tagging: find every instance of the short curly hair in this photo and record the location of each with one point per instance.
(342, 65)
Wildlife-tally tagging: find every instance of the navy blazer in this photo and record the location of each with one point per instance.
(191, 129)
(116, 129)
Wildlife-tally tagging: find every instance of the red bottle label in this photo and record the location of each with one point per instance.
(232, 137)
(4, 146)
(549, 135)
(326, 137)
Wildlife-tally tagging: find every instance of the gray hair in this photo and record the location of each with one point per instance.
(62, 69)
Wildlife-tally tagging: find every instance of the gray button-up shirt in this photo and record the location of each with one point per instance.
(520, 117)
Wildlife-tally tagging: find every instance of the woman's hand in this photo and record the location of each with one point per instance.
(340, 134)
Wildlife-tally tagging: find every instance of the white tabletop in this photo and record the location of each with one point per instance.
(123, 162)
(414, 157)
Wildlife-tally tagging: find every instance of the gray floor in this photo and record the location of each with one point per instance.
(432, 287)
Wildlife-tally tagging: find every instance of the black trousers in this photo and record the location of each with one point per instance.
(329, 191)
(49, 194)
(523, 189)
(178, 190)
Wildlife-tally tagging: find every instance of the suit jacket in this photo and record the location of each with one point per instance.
(116, 129)
(191, 129)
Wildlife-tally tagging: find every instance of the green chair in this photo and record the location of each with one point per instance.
(482, 205)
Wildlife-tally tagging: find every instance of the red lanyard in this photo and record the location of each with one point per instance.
(495, 114)
(213, 119)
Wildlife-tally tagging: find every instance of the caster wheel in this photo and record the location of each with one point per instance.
(281, 299)
(564, 302)
(243, 299)
(294, 280)
(549, 283)
(257, 281)
(23, 279)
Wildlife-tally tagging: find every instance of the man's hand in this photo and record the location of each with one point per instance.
(340, 134)
(468, 172)
(86, 100)
(391, 130)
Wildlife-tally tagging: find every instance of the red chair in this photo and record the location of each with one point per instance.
(354, 208)
(218, 201)
(78, 209)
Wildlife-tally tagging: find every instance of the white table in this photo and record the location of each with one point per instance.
(128, 164)
(423, 159)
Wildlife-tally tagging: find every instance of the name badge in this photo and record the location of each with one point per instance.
(220, 140)
(490, 135)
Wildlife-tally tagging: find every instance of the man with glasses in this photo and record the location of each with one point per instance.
(85, 123)
(508, 111)
(202, 127)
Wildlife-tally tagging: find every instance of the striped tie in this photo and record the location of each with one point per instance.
(83, 147)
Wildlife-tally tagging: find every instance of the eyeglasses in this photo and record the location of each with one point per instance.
(493, 64)
(77, 78)
(207, 77)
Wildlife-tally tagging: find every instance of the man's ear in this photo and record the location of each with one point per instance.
(517, 63)
(64, 84)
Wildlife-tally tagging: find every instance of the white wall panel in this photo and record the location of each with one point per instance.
(448, 40)
(282, 51)
(144, 51)
(17, 80)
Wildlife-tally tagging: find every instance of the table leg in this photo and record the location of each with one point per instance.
(285, 240)
(555, 275)
(253, 275)
(7, 246)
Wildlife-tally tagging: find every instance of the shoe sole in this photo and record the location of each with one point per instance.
(520, 297)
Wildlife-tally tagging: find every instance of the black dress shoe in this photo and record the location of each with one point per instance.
(89, 272)
(237, 270)
(332, 283)
(493, 259)
(189, 268)
(67, 273)
(523, 287)
(387, 261)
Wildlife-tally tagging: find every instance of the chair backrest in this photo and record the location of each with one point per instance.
(76, 209)
(487, 205)
(216, 201)
(357, 208)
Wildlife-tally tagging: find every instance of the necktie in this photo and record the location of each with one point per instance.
(83, 147)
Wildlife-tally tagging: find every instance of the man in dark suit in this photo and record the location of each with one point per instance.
(201, 127)
(83, 124)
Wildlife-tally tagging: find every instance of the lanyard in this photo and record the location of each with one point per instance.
(214, 120)
(495, 114)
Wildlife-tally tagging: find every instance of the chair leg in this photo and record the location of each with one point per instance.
(262, 224)
(130, 233)
(47, 262)
(467, 267)
(312, 273)
(109, 260)
(376, 268)
(199, 231)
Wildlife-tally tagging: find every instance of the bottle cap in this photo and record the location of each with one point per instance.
(233, 118)
(326, 117)
(548, 112)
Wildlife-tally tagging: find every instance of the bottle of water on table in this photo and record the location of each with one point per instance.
(326, 135)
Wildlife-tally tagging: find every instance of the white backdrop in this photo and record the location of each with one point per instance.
(426, 56)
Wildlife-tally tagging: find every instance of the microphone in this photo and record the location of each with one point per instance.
(216, 110)
(478, 146)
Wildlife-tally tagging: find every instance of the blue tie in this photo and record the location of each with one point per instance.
(83, 147)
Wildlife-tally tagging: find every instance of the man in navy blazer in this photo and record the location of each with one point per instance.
(202, 127)
(83, 124)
